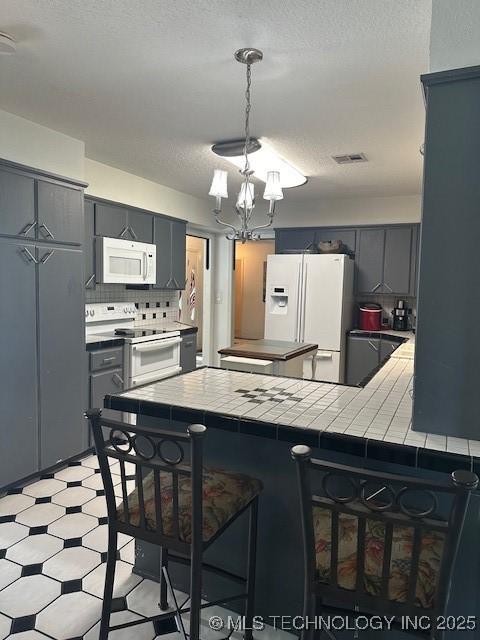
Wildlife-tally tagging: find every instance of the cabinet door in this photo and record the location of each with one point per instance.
(398, 260)
(60, 213)
(110, 221)
(163, 242)
(61, 350)
(291, 240)
(18, 364)
(369, 260)
(347, 236)
(178, 254)
(363, 356)
(17, 205)
(188, 352)
(387, 347)
(89, 245)
(103, 383)
(140, 226)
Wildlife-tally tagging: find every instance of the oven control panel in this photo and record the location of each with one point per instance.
(104, 311)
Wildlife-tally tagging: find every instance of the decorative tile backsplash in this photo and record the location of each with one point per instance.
(152, 305)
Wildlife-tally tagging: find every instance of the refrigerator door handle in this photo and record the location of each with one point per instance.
(304, 300)
(299, 303)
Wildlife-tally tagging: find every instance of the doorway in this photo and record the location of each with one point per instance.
(192, 298)
(250, 281)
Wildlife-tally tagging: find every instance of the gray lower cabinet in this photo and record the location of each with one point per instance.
(59, 213)
(188, 352)
(103, 383)
(18, 364)
(61, 337)
(17, 204)
(363, 356)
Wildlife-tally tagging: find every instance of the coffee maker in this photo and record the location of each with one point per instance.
(400, 316)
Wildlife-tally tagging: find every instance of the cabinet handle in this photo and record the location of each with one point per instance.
(118, 380)
(122, 232)
(28, 228)
(376, 287)
(107, 360)
(188, 344)
(89, 281)
(47, 231)
(132, 232)
(373, 346)
(388, 286)
(30, 256)
(47, 256)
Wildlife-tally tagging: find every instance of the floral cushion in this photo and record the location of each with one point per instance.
(224, 494)
(431, 551)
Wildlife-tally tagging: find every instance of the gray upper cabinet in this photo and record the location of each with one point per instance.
(385, 256)
(397, 273)
(347, 237)
(179, 250)
(170, 239)
(110, 220)
(89, 245)
(162, 239)
(59, 215)
(17, 204)
(18, 364)
(369, 260)
(290, 240)
(42, 368)
(61, 338)
(140, 226)
(117, 221)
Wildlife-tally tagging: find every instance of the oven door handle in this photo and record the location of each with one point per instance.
(157, 345)
(157, 375)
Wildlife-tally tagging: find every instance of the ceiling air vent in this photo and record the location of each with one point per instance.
(350, 158)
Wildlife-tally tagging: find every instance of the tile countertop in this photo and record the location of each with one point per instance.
(374, 421)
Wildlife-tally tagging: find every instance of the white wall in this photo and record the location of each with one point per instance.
(31, 144)
(349, 211)
(113, 184)
(455, 34)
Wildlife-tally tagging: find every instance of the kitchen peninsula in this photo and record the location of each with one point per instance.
(253, 421)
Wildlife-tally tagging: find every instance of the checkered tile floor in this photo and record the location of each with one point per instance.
(53, 543)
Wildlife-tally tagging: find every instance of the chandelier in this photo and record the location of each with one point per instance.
(246, 197)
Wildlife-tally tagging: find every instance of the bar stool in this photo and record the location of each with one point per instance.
(378, 543)
(177, 504)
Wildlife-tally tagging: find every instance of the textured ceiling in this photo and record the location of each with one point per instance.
(149, 84)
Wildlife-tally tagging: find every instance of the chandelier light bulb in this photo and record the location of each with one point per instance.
(219, 184)
(246, 196)
(273, 187)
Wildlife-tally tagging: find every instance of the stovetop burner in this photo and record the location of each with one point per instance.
(139, 333)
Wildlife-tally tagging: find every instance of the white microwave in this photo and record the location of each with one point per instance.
(125, 262)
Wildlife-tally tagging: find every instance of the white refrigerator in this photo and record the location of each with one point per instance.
(309, 298)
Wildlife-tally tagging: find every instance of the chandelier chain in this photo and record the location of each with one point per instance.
(248, 106)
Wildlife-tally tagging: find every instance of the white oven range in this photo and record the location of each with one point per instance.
(150, 354)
